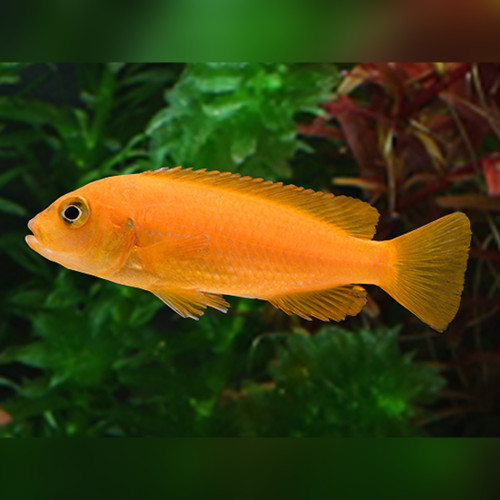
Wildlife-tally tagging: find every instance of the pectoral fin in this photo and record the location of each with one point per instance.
(191, 303)
(177, 247)
(334, 303)
(118, 250)
(171, 249)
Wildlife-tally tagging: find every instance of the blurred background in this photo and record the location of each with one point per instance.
(249, 30)
(81, 356)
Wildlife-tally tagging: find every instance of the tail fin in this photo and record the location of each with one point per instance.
(428, 274)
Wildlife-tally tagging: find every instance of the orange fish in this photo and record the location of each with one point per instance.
(191, 236)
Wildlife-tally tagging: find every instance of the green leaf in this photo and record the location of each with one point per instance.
(341, 383)
(238, 116)
(12, 208)
(34, 354)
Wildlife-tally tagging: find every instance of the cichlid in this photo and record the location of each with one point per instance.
(191, 236)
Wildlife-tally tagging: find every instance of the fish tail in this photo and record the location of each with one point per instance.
(427, 275)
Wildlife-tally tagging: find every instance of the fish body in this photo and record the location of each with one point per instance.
(190, 237)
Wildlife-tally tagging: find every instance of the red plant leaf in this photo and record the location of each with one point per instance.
(5, 417)
(470, 202)
(491, 169)
(359, 131)
(318, 128)
(482, 254)
(360, 182)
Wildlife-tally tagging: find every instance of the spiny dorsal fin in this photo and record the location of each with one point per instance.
(334, 303)
(191, 303)
(353, 216)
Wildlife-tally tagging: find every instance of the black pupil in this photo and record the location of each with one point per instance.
(72, 213)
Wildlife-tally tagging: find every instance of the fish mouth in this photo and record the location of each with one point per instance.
(31, 239)
(36, 243)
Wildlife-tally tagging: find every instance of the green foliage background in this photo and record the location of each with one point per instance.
(84, 357)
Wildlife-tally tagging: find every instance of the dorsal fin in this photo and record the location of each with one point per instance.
(353, 216)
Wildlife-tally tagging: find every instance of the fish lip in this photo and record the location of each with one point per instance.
(31, 225)
(31, 239)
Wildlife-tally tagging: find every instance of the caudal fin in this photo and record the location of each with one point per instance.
(428, 274)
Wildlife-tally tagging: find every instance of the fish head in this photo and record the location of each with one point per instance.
(83, 232)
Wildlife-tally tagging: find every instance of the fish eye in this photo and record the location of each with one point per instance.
(71, 213)
(74, 213)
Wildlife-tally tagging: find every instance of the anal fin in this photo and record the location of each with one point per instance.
(191, 303)
(333, 303)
